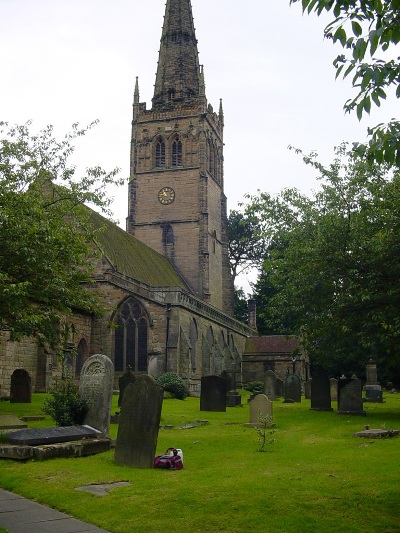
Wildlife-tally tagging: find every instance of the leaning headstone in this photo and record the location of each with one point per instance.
(139, 423)
(270, 384)
(372, 388)
(321, 392)
(213, 393)
(292, 389)
(123, 382)
(21, 387)
(260, 406)
(96, 386)
(350, 397)
(307, 389)
(334, 389)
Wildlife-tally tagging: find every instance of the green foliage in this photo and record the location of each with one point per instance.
(254, 386)
(333, 268)
(241, 308)
(174, 384)
(66, 407)
(265, 430)
(364, 27)
(45, 232)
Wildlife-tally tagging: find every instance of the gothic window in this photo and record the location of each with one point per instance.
(81, 356)
(193, 343)
(160, 153)
(177, 152)
(130, 342)
(168, 234)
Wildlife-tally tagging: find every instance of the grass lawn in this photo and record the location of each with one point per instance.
(316, 477)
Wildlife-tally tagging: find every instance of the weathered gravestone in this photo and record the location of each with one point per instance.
(96, 386)
(213, 393)
(139, 423)
(21, 387)
(260, 406)
(270, 385)
(334, 389)
(280, 387)
(350, 397)
(307, 389)
(321, 392)
(123, 382)
(373, 389)
(292, 389)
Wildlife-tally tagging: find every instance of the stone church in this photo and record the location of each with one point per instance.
(166, 279)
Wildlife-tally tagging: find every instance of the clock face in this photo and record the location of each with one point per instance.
(166, 195)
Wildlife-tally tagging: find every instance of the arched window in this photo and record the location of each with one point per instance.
(130, 344)
(177, 152)
(81, 356)
(160, 153)
(168, 235)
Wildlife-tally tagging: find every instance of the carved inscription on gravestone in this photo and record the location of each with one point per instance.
(96, 386)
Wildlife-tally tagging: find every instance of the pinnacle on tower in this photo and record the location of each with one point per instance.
(178, 78)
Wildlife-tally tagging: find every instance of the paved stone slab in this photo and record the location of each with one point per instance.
(11, 422)
(20, 515)
(35, 437)
(103, 489)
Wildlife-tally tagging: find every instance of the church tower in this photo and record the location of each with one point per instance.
(177, 204)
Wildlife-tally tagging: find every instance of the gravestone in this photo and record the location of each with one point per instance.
(259, 406)
(213, 393)
(34, 437)
(96, 386)
(372, 388)
(350, 397)
(334, 389)
(123, 382)
(292, 389)
(21, 387)
(307, 389)
(321, 392)
(280, 387)
(11, 422)
(139, 423)
(270, 385)
(233, 398)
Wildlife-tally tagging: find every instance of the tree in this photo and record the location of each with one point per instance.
(333, 269)
(247, 241)
(45, 232)
(364, 27)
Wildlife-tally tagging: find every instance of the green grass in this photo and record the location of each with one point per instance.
(316, 477)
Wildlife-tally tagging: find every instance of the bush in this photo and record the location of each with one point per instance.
(174, 384)
(66, 407)
(254, 386)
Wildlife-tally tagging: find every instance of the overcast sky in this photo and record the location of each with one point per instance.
(66, 61)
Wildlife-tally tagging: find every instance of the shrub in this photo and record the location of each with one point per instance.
(254, 386)
(174, 384)
(66, 407)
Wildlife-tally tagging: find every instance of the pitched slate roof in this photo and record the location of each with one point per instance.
(273, 344)
(133, 258)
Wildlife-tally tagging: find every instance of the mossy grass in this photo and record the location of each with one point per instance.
(317, 476)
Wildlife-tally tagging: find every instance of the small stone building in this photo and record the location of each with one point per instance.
(280, 353)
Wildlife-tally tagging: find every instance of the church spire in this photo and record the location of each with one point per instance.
(178, 78)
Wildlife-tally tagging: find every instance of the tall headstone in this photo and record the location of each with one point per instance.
(372, 388)
(213, 393)
(139, 423)
(123, 382)
(259, 406)
(21, 387)
(96, 386)
(270, 385)
(321, 392)
(334, 389)
(292, 389)
(350, 397)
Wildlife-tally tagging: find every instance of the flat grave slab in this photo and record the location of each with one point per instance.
(11, 422)
(78, 448)
(35, 437)
(102, 489)
(377, 433)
